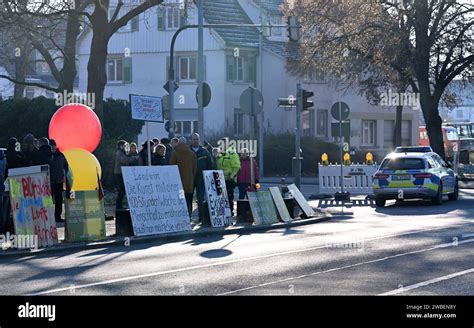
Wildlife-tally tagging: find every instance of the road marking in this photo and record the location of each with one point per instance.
(203, 266)
(428, 282)
(446, 245)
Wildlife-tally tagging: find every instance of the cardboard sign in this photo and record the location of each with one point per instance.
(218, 202)
(146, 108)
(85, 217)
(32, 204)
(302, 203)
(263, 209)
(156, 199)
(280, 204)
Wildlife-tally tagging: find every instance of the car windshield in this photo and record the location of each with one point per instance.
(452, 134)
(403, 164)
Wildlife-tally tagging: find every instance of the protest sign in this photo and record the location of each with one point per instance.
(280, 204)
(32, 204)
(146, 108)
(156, 199)
(263, 209)
(301, 201)
(217, 198)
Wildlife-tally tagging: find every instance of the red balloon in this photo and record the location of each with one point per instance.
(75, 126)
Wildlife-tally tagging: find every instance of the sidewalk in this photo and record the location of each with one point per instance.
(197, 231)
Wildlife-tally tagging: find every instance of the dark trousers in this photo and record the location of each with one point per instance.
(189, 202)
(3, 218)
(120, 191)
(230, 186)
(243, 190)
(57, 191)
(200, 190)
(6, 225)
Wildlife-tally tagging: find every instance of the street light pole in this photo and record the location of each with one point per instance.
(297, 161)
(200, 75)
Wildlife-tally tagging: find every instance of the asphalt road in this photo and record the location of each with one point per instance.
(409, 248)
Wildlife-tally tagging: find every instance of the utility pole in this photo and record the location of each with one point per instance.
(261, 125)
(200, 75)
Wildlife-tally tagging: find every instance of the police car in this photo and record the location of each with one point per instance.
(414, 174)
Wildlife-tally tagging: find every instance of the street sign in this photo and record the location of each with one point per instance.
(167, 126)
(206, 94)
(346, 129)
(251, 101)
(345, 111)
(167, 86)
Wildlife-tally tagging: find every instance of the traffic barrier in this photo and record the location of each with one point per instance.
(357, 178)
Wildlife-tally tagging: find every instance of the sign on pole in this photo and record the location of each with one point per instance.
(146, 108)
(156, 199)
(217, 198)
(251, 101)
(32, 204)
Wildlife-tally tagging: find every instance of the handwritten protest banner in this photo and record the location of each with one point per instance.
(156, 199)
(218, 202)
(280, 204)
(146, 108)
(32, 204)
(301, 201)
(85, 217)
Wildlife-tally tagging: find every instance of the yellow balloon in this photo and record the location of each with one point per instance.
(85, 168)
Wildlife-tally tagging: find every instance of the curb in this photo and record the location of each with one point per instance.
(119, 240)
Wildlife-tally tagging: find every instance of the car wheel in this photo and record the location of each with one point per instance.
(380, 202)
(455, 194)
(438, 199)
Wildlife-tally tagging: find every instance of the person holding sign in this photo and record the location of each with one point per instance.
(229, 163)
(187, 165)
(204, 162)
(244, 175)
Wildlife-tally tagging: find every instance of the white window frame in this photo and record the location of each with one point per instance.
(369, 133)
(180, 128)
(276, 20)
(240, 65)
(175, 19)
(323, 112)
(114, 80)
(188, 67)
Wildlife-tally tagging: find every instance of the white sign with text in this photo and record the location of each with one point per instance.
(156, 199)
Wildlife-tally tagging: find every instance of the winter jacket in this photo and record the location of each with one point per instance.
(187, 165)
(229, 163)
(244, 175)
(59, 168)
(158, 160)
(121, 159)
(14, 159)
(31, 158)
(45, 155)
(204, 162)
(133, 154)
(169, 152)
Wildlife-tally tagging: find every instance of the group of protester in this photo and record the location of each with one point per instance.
(33, 152)
(192, 159)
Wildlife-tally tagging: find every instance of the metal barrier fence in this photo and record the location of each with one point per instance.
(357, 178)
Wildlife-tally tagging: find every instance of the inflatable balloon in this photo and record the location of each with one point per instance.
(75, 126)
(84, 167)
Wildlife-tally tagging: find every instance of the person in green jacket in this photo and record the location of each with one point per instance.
(229, 163)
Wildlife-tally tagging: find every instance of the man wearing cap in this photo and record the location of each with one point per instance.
(58, 170)
(30, 152)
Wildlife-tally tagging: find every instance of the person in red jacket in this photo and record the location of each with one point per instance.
(244, 176)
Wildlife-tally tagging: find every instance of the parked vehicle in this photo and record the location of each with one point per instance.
(414, 175)
(450, 139)
(466, 141)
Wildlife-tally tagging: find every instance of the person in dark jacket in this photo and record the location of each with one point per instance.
(30, 152)
(58, 171)
(14, 157)
(133, 152)
(143, 154)
(121, 159)
(169, 149)
(159, 156)
(244, 175)
(45, 153)
(204, 162)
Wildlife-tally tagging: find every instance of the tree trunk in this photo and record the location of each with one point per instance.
(20, 74)
(69, 71)
(397, 135)
(433, 125)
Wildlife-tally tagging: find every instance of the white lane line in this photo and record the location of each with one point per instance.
(203, 266)
(427, 282)
(346, 267)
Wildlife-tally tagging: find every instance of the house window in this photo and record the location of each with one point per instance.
(322, 123)
(406, 133)
(170, 17)
(119, 70)
(29, 93)
(388, 133)
(238, 123)
(308, 123)
(276, 20)
(132, 25)
(114, 70)
(241, 69)
(186, 128)
(187, 68)
(368, 133)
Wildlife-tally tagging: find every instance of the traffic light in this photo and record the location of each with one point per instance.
(293, 29)
(307, 103)
(287, 102)
(217, 182)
